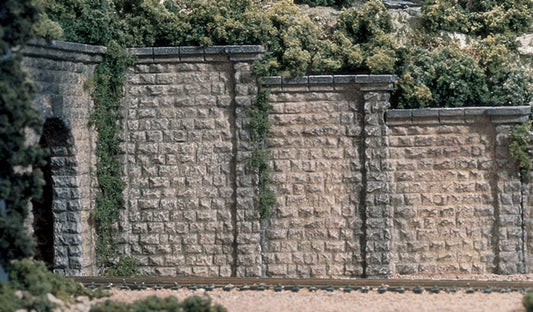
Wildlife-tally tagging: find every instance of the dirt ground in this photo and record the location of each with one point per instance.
(321, 300)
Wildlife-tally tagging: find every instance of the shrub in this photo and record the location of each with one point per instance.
(453, 77)
(36, 281)
(156, 304)
(480, 18)
(527, 301)
(365, 38)
(20, 177)
(91, 22)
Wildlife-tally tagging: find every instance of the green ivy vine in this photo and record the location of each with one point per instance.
(108, 81)
(260, 126)
(518, 147)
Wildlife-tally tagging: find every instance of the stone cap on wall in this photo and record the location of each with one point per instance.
(196, 53)
(71, 51)
(62, 50)
(457, 115)
(380, 82)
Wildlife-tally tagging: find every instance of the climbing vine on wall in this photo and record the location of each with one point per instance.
(108, 82)
(260, 127)
(518, 147)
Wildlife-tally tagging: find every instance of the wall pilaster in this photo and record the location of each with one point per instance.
(377, 221)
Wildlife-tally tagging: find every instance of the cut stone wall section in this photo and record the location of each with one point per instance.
(62, 70)
(189, 188)
(362, 190)
(456, 195)
(326, 141)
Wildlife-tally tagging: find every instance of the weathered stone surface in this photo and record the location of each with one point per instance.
(361, 190)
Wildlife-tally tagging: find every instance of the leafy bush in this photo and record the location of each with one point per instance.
(486, 72)
(480, 18)
(34, 279)
(20, 177)
(156, 304)
(453, 77)
(366, 38)
(527, 301)
(91, 22)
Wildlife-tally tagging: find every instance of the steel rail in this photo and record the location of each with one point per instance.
(290, 283)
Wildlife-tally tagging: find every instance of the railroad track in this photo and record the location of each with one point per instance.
(346, 285)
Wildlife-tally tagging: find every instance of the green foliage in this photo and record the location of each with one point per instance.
(518, 147)
(453, 77)
(156, 304)
(294, 43)
(126, 266)
(260, 126)
(36, 281)
(480, 18)
(17, 20)
(368, 32)
(527, 301)
(201, 304)
(487, 73)
(91, 22)
(20, 176)
(108, 81)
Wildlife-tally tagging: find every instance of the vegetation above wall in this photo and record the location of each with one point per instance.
(434, 68)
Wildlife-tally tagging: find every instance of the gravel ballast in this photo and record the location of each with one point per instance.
(321, 300)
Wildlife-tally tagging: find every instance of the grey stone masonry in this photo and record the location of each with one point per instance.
(328, 148)
(456, 195)
(62, 70)
(186, 142)
(362, 190)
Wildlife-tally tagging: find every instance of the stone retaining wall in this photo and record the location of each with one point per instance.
(362, 190)
(456, 195)
(322, 128)
(61, 71)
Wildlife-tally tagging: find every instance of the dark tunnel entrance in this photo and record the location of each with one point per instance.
(43, 217)
(56, 141)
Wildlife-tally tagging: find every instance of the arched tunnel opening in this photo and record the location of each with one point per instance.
(43, 218)
(55, 140)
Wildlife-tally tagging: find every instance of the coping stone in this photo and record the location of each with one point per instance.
(166, 51)
(244, 49)
(321, 79)
(451, 112)
(191, 50)
(399, 113)
(68, 46)
(426, 112)
(375, 78)
(271, 80)
(295, 80)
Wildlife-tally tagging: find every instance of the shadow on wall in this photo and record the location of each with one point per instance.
(56, 224)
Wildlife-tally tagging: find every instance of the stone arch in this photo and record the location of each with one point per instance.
(59, 210)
